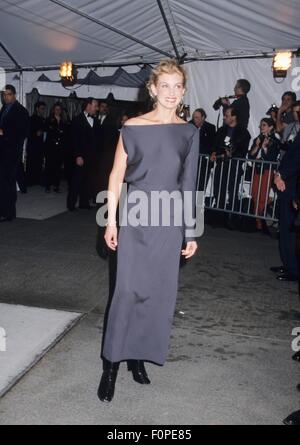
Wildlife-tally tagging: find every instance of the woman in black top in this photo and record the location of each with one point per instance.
(266, 147)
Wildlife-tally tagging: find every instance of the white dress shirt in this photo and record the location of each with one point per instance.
(89, 119)
(101, 118)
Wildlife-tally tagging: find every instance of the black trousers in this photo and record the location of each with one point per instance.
(204, 167)
(53, 166)
(231, 174)
(34, 163)
(81, 187)
(8, 178)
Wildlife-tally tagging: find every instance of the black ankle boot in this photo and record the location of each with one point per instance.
(296, 357)
(138, 371)
(293, 419)
(106, 388)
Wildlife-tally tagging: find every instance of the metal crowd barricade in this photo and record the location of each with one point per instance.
(240, 186)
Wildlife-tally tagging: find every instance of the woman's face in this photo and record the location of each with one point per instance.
(198, 118)
(287, 101)
(169, 90)
(265, 128)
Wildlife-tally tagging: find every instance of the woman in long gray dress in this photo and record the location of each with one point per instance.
(156, 152)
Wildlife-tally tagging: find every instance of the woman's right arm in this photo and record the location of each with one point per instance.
(115, 182)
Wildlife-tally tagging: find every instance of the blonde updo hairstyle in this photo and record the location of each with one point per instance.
(166, 66)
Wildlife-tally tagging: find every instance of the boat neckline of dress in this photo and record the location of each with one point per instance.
(155, 125)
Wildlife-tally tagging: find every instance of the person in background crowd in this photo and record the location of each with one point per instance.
(85, 143)
(285, 111)
(266, 147)
(241, 104)
(296, 229)
(103, 112)
(207, 136)
(290, 169)
(56, 128)
(291, 130)
(14, 129)
(124, 117)
(35, 146)
(286, 181)
(68, 152)
(231, 142)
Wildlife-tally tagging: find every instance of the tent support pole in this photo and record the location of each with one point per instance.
(168, 29)
(10, 56)
(22, 94)
(111, 28)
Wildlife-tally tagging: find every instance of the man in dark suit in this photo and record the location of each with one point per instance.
(231, 142)
(85, 134)
(207, 137)
(286, 182)
(14, 129)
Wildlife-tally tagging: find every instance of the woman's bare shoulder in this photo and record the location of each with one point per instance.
(144, 119)
(134, 121)
(147, 119)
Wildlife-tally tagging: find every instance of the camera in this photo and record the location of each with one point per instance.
(227, 147)
(272, 109)
(217, 105)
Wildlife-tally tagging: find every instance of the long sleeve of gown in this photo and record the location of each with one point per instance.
(189, 184)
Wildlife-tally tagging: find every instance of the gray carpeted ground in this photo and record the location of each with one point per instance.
(230, 357)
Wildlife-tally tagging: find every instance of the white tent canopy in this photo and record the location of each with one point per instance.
(37, 35)
(46, 32)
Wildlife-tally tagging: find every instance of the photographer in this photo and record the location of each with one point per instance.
(266, 147)
(231, 142)
(241, 104)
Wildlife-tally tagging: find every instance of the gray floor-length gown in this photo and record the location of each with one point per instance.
(160, 157)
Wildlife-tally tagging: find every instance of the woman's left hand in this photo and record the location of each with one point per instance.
(295, 204)
(265, 143)
(190, 249)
